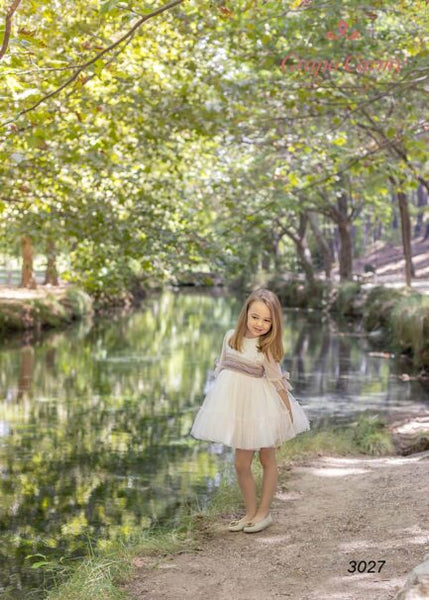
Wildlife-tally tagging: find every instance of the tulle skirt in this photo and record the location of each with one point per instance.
(247, 412)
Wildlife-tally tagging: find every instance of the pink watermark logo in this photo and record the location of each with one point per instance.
(351, 63)
(342, 32)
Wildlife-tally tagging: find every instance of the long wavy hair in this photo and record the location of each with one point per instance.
(270, 343)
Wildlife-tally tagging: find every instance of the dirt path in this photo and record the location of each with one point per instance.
(328, 511)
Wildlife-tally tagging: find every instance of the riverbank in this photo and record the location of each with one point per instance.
(395, 320)
(342, 495)
(23, 309)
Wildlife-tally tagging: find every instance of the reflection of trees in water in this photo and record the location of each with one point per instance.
(25, 371)
(344, 367)
(98, 447)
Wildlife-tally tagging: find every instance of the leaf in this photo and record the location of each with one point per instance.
(293, 179)
(39, 564)
(107, 6)
(98, 67)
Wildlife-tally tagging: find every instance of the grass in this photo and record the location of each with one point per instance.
(50, 310)
(410, 324)
(400, 318)
(100, 576)
(347, 301)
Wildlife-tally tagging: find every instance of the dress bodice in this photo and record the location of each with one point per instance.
(249, 353)
(251, 356)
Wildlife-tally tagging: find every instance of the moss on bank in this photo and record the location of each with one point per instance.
(399, 320)
(409, 322)
(100, 576)
(49, 310)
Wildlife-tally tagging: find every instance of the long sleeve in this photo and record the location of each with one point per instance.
(222, 354)
(275, 374)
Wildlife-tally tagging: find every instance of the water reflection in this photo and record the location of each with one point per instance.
(94, 421)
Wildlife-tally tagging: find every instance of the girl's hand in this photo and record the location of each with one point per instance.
(288, 406)
(286, 402)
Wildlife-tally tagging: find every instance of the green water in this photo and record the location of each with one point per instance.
(95, 420)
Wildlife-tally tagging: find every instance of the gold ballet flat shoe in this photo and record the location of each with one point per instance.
(238, 525)
(259, 525)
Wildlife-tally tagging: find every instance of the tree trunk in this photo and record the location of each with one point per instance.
(378, 231)
(304, 256)
(51, 275)
(276, 252)
(406, 236)
(346, 252)
(422, 201)
(395, 223)
(301, 247)
(27, 276)
(345, 256)
(323, 245)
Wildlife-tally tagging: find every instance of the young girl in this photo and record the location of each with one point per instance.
(249, 406)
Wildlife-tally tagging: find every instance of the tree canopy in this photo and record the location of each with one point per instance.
(141, 139)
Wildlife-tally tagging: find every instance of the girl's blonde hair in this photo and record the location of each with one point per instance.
(271, 343)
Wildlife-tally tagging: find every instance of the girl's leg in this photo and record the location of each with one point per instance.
(243, 463)
(267, 457)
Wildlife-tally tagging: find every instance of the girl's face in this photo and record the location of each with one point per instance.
(259, 319)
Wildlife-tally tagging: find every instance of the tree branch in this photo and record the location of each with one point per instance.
(8, 26)
(73, 77)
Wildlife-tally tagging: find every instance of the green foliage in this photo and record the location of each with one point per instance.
(401, 320)
(366, 435)
(95, 578)
(410, 326)
(370, 436)
(298, 293)
(48, 311)
(349, 299)
(77, 302)
(378, 307)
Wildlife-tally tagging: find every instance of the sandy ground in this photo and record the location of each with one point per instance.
(328, 512)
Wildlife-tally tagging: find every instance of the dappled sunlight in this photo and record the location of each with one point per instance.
(272, 540)
(413, 426)
(360, 586)
(288, 496)
(420, 539)
(334, 472)
(343, 466)
(377, 462)
(417, 540)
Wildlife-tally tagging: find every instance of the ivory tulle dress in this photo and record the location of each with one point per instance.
(242, 407)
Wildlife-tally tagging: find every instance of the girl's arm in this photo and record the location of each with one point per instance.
(222, 354)
(280, 380)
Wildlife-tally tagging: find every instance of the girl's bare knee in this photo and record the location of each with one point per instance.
(243, 460)
(267, 457)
